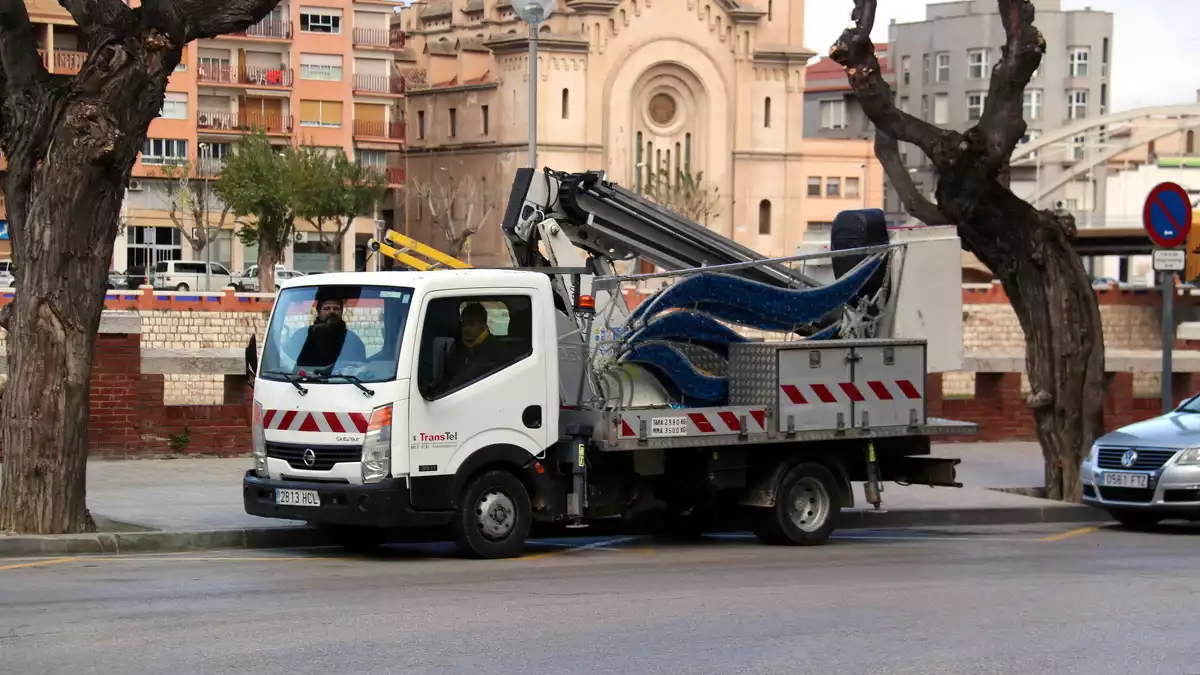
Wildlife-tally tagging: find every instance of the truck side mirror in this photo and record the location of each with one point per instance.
(252, 359)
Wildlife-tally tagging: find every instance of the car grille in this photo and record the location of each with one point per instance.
(1147, 460)
(1116, 494)
(325, 455)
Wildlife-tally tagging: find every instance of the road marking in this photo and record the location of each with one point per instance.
(567, 548)
(39, 563)
(1070, 533)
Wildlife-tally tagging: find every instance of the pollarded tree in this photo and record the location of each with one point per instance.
(331, 191)
(70, 143)
(686, 194)
(191, 204)
(1030, 251)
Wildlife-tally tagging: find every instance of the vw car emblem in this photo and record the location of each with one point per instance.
(1127, 460)
(310, 457)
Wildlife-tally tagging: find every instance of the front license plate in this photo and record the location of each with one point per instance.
(297, 498)
(1128, 480)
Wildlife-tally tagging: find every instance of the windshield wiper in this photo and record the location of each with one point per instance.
(352, 379)
(292, 379)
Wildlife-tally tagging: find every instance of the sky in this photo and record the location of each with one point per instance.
(1154, 42)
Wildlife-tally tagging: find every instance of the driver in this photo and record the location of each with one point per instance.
(328, 341)
(475, 351)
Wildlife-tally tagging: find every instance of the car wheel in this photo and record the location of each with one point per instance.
(493, 518)
(1136, 520)
(181, 287)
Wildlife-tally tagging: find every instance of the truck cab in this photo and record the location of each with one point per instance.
(381, 398)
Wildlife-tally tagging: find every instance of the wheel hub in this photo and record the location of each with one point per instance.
(496, 515)
(809, 503)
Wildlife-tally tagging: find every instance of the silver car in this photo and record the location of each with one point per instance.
(1149, 471)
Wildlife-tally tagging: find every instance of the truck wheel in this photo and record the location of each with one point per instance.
(493, 516)
(1135, 520)
(806, 508)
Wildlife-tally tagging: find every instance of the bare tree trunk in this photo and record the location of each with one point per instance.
(269, 256)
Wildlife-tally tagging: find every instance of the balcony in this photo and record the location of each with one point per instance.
(65, 62)
(379, 84)
(263, 77)
(244, 122)
(395, 174)
(210, 167)
(270, 29)
(375, 129)
(379, 37)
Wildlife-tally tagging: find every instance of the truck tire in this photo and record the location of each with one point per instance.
(805, 510)
(494, 515)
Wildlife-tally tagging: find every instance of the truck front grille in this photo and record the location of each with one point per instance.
(323, 456)
(1147, 460)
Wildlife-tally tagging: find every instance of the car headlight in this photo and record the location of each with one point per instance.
(377, 446)
(1190, 456)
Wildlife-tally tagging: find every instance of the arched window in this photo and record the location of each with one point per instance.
(764, 217)
(566, 103)
(767, 113)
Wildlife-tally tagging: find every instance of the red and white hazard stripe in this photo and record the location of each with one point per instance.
(321, 422)
(711, 422)
(840, 392)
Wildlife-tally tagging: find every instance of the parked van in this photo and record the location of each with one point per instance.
(177, 275)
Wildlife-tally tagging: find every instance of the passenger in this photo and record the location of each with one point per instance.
(328, 341)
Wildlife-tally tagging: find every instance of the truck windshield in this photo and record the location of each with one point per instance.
(321, 332)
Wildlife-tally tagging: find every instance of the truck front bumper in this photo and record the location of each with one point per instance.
(384, 504)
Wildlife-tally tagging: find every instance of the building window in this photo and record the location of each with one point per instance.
(924, 69)
(852, 187)
(1078, 147)
(814, 186)
(486, 120)
(925, 107)
(833, 187)
(453, 122)
(1190, 143)
(977, 64)
(165, 151)
(764, 217)
(1103, 96)
(376, 159)
(321, 20)
(1033, 104)
(905, 69)
(767, 113)
(420, 124)
(975, 103)
(320, 113)
(327, 67)
(833, 114)
(566, 103)
(1030, 136)
(1104, 58)
(943, 67)
(1077, 104)
(815, 226)
(1077, 59)
(941, 108)
(174, 106)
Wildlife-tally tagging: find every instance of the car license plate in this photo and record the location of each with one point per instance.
(1126, 480)
(297, 497)
(668, 426)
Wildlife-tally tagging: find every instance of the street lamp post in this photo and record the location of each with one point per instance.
(533, 12)
(206, 153)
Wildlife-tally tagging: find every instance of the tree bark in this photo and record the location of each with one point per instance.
(71, 143)
(1029, 251)
(269, 256)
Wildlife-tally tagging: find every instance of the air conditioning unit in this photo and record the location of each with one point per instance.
(135, 186)
(300, 237)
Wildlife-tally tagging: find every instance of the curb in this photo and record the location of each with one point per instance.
(300, 536)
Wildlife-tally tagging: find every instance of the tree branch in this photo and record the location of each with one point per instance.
(93, 16)
(188, 20)
(23, 72)
(1002, 124)
(855, 52)
(887, 150)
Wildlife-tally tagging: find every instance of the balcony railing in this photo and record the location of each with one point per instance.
(65, 62)
(384, 84)
(395, 175)
(269, 28)
(244, 121)
(265, 77)
(210, 167)
(376, 129)
(379, 37)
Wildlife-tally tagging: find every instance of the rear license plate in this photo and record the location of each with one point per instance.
(297, 497)
(1126, 480)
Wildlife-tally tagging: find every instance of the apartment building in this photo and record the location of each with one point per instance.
(320, 73)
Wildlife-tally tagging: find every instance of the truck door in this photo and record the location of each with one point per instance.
(480, 378)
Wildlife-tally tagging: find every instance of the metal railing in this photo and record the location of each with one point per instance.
(65, 62)
(378, 37)
(244, 121)
(384, 84)
(378, 129)
(265, 77)
(269, 28)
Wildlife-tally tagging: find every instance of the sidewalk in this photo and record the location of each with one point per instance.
(200, 501)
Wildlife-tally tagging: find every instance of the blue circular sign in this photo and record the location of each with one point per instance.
(1167, 215)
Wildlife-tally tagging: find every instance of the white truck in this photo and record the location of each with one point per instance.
(488, 400)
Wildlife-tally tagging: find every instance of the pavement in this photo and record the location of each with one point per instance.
(148, 505)
(1008, 600)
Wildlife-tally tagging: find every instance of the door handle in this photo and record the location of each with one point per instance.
(532, 417)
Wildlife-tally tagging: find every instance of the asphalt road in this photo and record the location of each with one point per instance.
(982, 600)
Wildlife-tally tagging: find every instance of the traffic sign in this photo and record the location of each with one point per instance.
(1169, 260)
(1167, 215)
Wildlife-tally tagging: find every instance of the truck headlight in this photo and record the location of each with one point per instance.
(1191, 456)
(1092, 453)
(377, 446)
(258, 442)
